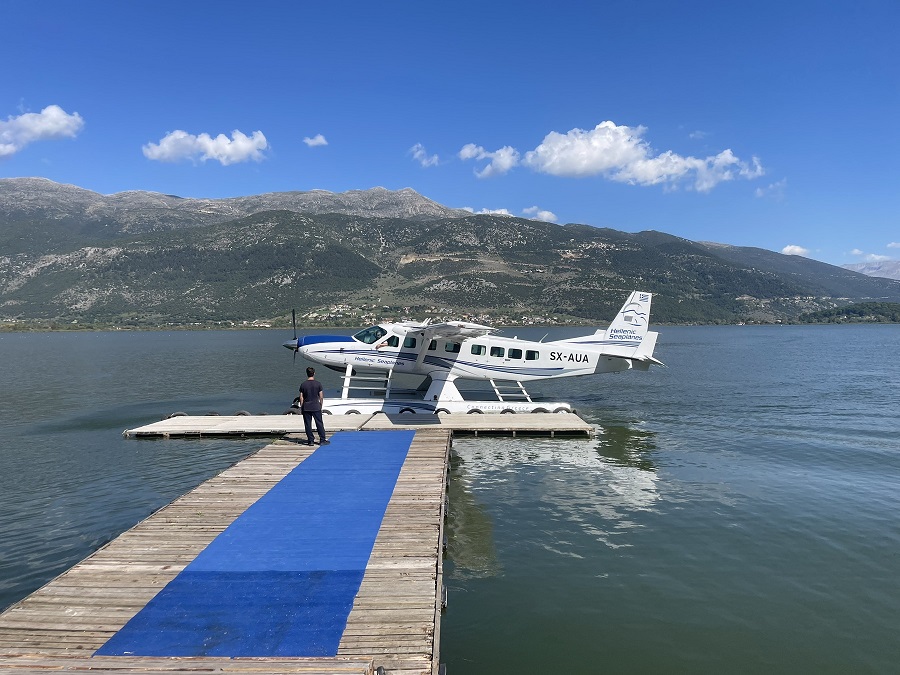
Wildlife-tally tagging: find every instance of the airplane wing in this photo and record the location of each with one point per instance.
(455, 329)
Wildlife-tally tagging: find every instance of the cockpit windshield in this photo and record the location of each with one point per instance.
(370, 335)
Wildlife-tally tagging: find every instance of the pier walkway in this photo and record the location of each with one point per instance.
(295, 560)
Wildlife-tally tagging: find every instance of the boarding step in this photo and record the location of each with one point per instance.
(373, 383)
(510, 390)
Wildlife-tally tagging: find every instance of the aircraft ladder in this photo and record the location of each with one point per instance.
(384, 382)
(510, 390)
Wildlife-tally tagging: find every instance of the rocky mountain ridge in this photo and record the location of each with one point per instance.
(886, 269)
(70, 255)
(135, 211)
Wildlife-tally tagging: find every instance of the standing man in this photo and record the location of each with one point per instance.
(311, 398)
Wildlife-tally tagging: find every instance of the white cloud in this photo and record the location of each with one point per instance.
(491, 212)
(870, 257)
(502, 160)
(894, 244)
(315, 141)
(773, 190)
(697, 135)
(422, 157)
(51, 123)
(180, 145)
(617, 153)
(540, 214)
(793, 249)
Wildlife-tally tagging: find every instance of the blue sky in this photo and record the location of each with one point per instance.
(773, 124)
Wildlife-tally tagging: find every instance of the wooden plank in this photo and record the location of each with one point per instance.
(146, 665)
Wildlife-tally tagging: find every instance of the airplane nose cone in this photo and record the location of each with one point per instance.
(293, 345)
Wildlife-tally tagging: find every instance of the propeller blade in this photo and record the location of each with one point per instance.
(296, 343)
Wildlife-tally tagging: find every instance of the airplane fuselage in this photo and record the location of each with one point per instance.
(448, 351)
(483, 358)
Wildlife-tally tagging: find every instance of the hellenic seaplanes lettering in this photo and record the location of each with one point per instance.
(624, 334)
(571, 358)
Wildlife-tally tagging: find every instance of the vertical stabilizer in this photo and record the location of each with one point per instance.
(630, 324)
(627, 336)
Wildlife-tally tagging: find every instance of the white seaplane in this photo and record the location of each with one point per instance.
(458, 350)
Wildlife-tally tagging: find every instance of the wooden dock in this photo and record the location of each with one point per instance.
(393, 626)
(533, 424)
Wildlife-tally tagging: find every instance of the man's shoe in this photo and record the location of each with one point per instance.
(325, 442)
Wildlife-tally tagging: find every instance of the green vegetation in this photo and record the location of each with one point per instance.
(863, 312)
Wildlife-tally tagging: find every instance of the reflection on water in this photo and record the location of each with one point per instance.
(626, 446)
(596, 486)
(470, 543)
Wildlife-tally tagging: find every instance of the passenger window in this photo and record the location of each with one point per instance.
(497, 351)
(409, 343)
(432, 345)
(478, 350)
(515, 353)
(452, 347)
(392, 341)
(531, 355)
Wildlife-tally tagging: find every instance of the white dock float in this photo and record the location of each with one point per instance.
(241, 425)
(530, 424)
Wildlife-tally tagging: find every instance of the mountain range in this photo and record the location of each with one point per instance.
(888, 269)
(141, 258)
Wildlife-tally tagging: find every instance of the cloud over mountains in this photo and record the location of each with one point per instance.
(615, 152)
(51, 123)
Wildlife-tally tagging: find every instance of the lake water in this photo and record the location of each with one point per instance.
(739, 511)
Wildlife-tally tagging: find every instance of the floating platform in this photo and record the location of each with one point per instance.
(297, 559)
(534, 424)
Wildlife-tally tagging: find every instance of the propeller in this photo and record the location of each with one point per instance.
(294, 323)
(293, 345)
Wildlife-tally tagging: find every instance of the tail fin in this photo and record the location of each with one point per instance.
(630, 324)
(627, 336)
(628, 332)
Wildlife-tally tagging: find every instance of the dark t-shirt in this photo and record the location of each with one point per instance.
(310, 390)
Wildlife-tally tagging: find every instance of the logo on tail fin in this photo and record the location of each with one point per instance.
(633, 315)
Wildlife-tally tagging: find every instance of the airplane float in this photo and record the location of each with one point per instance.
(458, 350)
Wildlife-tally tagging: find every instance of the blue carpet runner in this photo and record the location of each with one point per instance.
(280, 581)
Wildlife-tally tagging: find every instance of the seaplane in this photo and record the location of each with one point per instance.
(447, 352)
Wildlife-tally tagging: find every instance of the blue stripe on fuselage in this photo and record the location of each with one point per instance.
(316, 339)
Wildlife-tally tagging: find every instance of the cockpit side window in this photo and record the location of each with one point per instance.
(370, 335)
(409, 343)
(392, 341)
